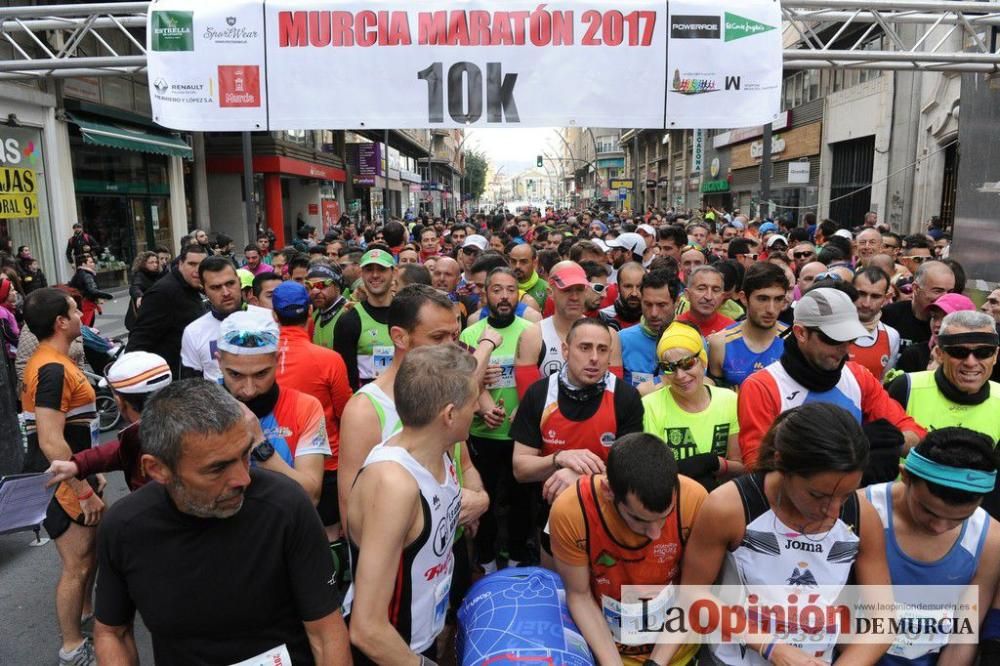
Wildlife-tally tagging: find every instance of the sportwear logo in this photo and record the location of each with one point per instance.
(172, 31)
(694, 27)
(738, 27)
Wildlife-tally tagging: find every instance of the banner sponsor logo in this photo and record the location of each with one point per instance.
(172, 31)
(695, 83)
(239, 85)
(694, 27)
(183, 93)
(738, 27)
(232, 33)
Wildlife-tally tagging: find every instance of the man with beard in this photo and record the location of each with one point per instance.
(539, 352)
(532, 288)
(293, 422)
(814, 368)
(325, 286)
(273, 600)
(489, 437)
(198, 343)
(361, 336)
(626, 311)
(658, 295)
(879, 350)
(741, 349)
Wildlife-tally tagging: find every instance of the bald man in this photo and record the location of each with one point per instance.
(445, 277)
(869, 244)
(807, 275)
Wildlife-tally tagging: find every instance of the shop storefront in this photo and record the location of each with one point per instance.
(123, 174)
(24, 196)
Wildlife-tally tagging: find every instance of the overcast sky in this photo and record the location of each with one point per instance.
(515, 149)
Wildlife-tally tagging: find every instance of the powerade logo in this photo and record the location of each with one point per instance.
(694, 27)
(172, 31)
(738, 27)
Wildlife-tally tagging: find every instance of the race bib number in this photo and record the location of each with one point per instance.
(626, 620)
(506, 379)
(916, 645)
(382, 358)
(277, 656)
(442, 598)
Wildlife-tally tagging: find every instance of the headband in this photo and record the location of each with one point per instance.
(959, 478)
(970, 338)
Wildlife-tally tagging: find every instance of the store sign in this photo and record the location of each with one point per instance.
(366, 162)
(745, 134)
(713, 168)
(20, 166)
(757, 147)
(711, 186)
(619, 183)
(476, 63)
(697, 151)
(802, 141)
(798, 172)
(331, 213)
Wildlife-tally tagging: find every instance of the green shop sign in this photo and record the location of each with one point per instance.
(714, 186)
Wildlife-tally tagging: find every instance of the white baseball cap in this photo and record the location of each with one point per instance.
(139, 372)
(629, 241)
(475, 240)
(646, 229)
(247, 334)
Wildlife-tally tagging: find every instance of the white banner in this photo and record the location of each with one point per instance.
(342, 64)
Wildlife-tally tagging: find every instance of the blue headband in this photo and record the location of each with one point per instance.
(959, 478)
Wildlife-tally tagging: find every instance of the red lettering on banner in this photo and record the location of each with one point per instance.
(363, 24)
(343, 28)
(458, 30)
(293, 29)
(479, 28)
(432, 28)
(399, 30)
(319, 28)
(502, 35)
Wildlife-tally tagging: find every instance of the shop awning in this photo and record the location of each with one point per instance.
(130, 137)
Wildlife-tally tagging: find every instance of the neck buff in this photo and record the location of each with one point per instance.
(647, 330)
(326, 315)
(263, 404)
(813, 379)
(578, 393)
(530, 284)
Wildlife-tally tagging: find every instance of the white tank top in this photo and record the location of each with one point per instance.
(426, 565)
(552, 357)
(385, 407)
(773, 554)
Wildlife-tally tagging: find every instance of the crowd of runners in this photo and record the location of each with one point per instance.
(328, 443)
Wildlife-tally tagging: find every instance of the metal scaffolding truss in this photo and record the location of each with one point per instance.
(919, 35)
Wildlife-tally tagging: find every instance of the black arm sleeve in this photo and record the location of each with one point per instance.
(49, 392)
(345, 342)
(154, 315)
(628, 409)
(526, 426)
(308, 563)
(899, 390)
(113, 605)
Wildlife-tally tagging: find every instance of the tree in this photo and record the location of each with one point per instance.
(476, 164)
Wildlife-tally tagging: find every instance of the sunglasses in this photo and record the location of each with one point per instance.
(824, 338)
(670, 367)
(919, 259)
(752, 257)
(803, 255)
(598, 287)
(471, 250)
(962, 353)
(251, 339)
(318, 284)
(828, 275)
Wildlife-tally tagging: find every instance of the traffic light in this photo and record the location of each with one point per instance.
(538, 161)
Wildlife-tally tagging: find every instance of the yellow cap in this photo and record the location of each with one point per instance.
(682, 336)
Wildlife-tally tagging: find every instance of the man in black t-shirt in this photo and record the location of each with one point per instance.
(225, 562)
(912, 318)
(566, 422)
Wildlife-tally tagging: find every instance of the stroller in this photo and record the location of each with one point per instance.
(101, 352)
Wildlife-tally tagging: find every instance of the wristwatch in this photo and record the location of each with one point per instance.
(262, 452)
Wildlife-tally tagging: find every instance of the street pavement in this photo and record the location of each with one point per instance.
(28, 572)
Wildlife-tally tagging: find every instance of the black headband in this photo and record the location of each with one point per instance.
(970, 338)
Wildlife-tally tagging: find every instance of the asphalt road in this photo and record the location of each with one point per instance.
(28, 572)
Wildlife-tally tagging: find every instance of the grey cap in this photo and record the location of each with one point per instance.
(831, 311)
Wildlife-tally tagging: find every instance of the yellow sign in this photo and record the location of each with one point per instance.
(18, 193)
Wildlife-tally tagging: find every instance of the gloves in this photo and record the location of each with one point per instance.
(699, 466)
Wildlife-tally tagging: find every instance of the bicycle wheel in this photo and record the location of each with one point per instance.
(107, 412)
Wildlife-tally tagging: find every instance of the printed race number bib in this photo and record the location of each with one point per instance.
(277, 656)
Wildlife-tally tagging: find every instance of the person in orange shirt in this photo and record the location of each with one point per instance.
(626, 527)
(316, 371)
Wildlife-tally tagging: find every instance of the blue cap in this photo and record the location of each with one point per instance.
(290, 299)
(768, 227)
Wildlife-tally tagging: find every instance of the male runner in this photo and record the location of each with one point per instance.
(741, 349)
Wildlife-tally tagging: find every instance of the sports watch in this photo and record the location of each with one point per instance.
(262, 452)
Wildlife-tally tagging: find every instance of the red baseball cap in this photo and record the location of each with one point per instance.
(568, 275)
